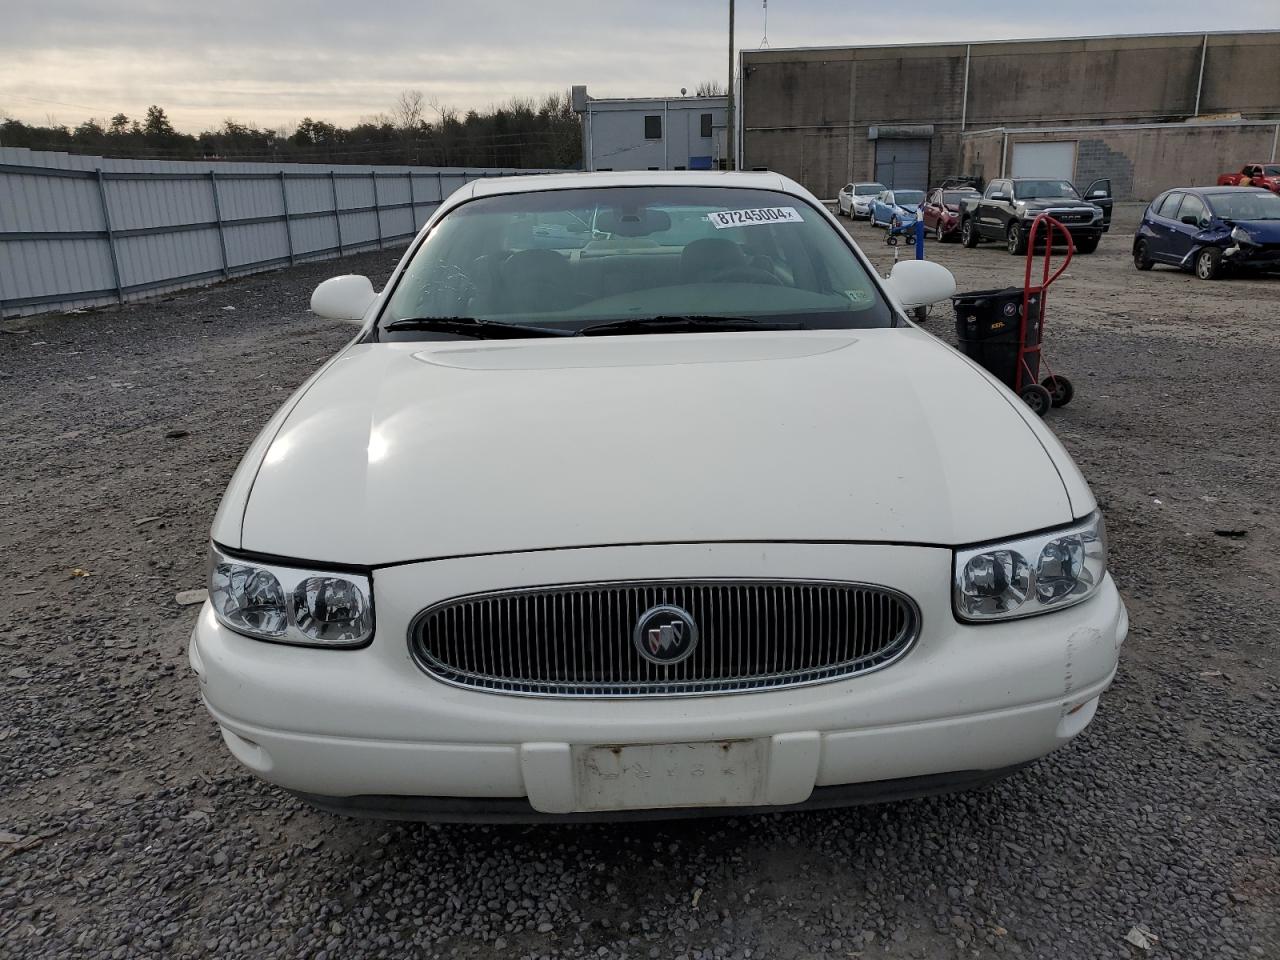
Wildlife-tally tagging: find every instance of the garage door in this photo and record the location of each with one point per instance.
(1052, 160)
(903, 164)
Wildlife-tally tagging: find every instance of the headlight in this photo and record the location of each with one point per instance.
(310, 607)
(1241, 235)
(1030, 575)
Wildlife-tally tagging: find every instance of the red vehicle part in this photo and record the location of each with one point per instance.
(1264, 175)
(1053, 390)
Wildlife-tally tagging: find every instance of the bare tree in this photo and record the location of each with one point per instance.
(408, 110)
(709, 88)
(448, 115)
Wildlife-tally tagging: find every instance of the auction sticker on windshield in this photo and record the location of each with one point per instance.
(746, 218)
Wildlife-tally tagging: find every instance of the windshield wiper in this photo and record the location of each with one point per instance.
(473, 327)
(692, 323)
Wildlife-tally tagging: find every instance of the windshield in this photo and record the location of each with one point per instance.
(908, 198)
(1246, 206)
(1044, 189)
(868, 189)
(567, 259)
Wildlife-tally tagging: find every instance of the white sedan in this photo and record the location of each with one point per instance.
(854, 199)
(682, 515)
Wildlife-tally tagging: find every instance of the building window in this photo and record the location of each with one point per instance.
(706, 126)
(679, 168)
(653, 127)
(655, 168)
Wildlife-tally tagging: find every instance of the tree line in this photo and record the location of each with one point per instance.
(522, 132)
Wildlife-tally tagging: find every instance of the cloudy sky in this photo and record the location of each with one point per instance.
(272, 62)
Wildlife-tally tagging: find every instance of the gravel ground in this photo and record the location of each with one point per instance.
(126, 830)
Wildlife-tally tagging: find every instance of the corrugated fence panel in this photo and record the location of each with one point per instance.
(84, 231)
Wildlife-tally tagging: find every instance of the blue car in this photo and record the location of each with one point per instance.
(1211, 230)
(903, 204)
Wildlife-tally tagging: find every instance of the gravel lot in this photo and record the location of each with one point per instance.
(126, 830)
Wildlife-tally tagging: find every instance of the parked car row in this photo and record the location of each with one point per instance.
(1003, 212)
(1211, 231)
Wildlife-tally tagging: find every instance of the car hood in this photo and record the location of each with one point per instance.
(1260, 231)
(406, 451)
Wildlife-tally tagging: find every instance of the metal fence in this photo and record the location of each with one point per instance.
(84, 231)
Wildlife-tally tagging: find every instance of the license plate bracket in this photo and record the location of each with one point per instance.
(716, 773)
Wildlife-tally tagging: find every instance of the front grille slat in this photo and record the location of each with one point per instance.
(577, 640)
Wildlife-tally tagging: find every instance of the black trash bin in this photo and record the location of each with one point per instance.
(988, 328)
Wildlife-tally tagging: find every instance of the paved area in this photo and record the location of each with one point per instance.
(125, 829)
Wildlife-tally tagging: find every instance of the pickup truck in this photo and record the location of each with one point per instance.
(1006, 209)
(1265, 175)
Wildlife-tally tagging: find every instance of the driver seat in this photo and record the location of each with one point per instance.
(703, 260)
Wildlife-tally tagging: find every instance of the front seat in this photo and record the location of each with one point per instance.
(534, 281)
(703, 260)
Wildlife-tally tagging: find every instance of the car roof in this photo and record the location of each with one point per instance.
(1217, 191)
(765, 180)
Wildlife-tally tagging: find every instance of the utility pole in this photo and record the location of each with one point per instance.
(731, 154)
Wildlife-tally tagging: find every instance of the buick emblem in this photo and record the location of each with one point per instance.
(665, 635)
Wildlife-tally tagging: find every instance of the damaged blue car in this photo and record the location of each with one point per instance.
(1211, 230)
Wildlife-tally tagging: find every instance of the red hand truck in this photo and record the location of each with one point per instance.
(1055, 390)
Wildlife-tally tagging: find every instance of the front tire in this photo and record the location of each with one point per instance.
(1015, 241)
(1209, 263)
(968, 235)
(938, 233)
(1087, 245)
(1142, 256)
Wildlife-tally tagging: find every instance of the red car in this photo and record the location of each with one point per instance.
(1265, 175)
(942, 211)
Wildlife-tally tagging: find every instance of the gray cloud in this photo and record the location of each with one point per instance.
(274, 61)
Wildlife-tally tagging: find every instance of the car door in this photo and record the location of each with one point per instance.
(1192, 218)
(845, 200)
(1157, 227)
(933, 210)
(880, 209)
(993, 211)
(1099, 194)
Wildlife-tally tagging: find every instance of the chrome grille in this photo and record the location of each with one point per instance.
(576, 640)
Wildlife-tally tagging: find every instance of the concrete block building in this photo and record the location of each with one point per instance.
(1149, 111)
(654, 133)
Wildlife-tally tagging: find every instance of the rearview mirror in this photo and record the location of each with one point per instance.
(918, 283)
(343, 298)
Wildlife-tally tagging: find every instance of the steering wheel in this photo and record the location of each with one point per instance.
(747, 274)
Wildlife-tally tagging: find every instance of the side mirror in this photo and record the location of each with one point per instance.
(918, 283)
(1001, 196)
(343, 298)
(1191, 220)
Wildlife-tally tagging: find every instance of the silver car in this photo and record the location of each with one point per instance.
(854, 199)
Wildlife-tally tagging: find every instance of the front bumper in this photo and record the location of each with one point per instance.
(1078, 231)
(967, 702)
(1253, 256)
